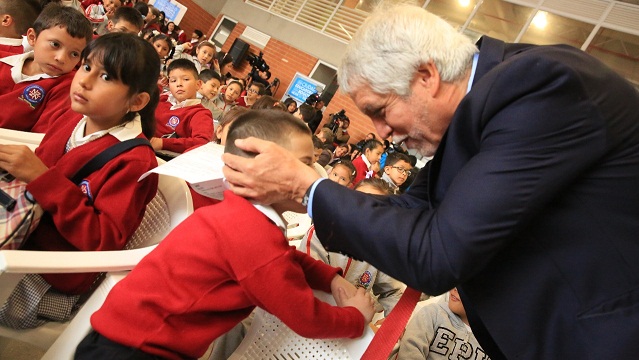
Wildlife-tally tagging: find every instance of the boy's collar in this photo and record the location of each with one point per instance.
(177, 105)
(270, 213)
(10, 41)
(17, 64)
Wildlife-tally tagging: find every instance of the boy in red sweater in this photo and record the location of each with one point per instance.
(182, 121)
(38, 82)
(221, 262)
(17, 16)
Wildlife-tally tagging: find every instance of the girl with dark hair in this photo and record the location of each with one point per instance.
(113, 99)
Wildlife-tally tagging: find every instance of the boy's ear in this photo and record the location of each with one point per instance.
(139, 101)
(7, 20)
(199, 83)
(387, 169)
(31, 36)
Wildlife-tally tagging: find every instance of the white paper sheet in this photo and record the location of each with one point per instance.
(200, 167)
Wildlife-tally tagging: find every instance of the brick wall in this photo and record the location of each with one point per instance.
(195, 18)
(284, 62)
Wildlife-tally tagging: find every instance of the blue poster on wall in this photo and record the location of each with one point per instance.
(174, 11)
(303, 86)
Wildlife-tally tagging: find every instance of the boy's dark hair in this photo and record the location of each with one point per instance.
(23, 12)
(317, 143)
(130, 15)
(307, 112)
(73, 20)
(166, 39)
(198, 32)
(223, 59)
(370, 145)
(208, 74)
(261, 90)
(272, 125)
(134, 62)
(142, 7)
(266, 102)
(183, 64)
(395, 157)
(352, 170)
(376, 183)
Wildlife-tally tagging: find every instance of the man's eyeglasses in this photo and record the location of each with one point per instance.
(402, 170)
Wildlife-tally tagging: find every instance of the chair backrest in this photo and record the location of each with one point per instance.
(269, 338)
(169, 207)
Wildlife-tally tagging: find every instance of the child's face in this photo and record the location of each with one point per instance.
(210, 88)
(122, 26)
(171, 26)
(398, 172)
(232, 93)
(205, 54)
(341, 151)
(292, 107)
(111, 5)
(340, 174)
(162, 48)
(194, 36)
(252, 92)
(316, 153)
(91, 86)
(301, 146)
(183, 84)
(455, 305)
(55, 52)
(375, 154)
(344, 124)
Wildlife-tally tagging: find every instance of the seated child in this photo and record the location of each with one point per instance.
(38, 81)
(222, 128)
(318, 147)
(204, 53)
(99, 14)
(343, 172)
(181, 120)
(368, 163)
(397, 169)
(440, 330)
(218, 265)
(359, 273)
(210, 88)
(125, 19)
(226, 100)
(17, 17)
(106, 208)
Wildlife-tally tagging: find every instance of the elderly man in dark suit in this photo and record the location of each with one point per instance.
(531, 203)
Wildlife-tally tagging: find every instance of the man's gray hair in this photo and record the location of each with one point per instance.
(390, 46)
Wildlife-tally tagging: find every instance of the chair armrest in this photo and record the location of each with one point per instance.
(49, 262)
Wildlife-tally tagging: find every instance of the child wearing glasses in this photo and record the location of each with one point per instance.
(396, 170)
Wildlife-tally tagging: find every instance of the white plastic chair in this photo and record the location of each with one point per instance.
(297, 224)
(170, 206)
(269, 338)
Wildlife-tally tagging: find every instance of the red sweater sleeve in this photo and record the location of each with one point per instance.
(197, 130)
(302, 312)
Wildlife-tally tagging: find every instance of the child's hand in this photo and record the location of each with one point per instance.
(362, 301)
(187, 46)
(375, 167)
(21, 162)
(156, 143)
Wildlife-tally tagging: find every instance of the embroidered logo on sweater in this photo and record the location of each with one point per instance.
(365, 279)
(173, 121)
(33, 95)
(86, 190)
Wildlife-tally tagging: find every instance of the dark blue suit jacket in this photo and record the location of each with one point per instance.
(531, 208)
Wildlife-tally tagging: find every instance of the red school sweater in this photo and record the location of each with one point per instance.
(208, 274)
(192, 124)
(101, 213)
(27, 106)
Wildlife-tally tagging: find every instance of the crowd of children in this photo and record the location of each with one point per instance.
(118, 71)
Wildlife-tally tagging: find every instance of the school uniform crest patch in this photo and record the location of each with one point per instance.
(365, 279)
(33, 95)
(173, 121)
(86, 189)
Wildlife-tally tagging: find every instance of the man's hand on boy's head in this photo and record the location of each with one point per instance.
(274, 175)
(361, 300)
